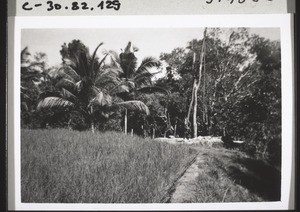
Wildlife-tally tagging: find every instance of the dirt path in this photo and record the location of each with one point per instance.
(184, 188)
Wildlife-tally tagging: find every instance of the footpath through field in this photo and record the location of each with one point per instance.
(223, 175)
(185, 186)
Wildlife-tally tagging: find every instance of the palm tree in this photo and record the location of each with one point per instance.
(87, 84)
(137, 78)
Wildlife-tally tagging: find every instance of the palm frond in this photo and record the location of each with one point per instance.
(122, 88)
(84, 64)
(79, 86)
(78, 63)
(71, 63)
(114, 72)
(108, 77)
(114, 56)
(108, 82)
(68, 95)
(65, 83)
(95, 91)
(102, 100)
(143, 79)
(92, 68)
(147, 63)
(97, 69)
(133, 105)
(67, 72)
(51, 102)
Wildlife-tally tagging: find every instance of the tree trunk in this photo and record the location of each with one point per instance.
(125, 121)
(69, 124)
(193, 93)
(204, 98)
(93, 127)
(195, 113)
(153, 133)
(197, 82)
(92, 121)
(175, 128)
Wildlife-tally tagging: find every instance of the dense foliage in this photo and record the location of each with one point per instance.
(239, 95)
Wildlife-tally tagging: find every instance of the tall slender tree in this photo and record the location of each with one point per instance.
(197, 79)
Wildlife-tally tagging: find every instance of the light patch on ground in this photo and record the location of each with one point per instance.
(185, 186)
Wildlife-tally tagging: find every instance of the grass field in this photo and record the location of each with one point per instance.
(61, 166)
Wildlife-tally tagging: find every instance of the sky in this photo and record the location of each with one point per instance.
(151, 42)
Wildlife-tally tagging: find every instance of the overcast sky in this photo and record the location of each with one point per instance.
(151, 42)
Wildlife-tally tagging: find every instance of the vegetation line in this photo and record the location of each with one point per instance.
(170, 189)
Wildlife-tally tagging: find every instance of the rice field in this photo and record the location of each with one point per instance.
(62, 166)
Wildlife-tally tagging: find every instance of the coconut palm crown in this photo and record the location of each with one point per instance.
(87, 84)
(137, 78)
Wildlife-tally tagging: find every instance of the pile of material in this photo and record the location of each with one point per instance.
(203, 140)
(171, 140)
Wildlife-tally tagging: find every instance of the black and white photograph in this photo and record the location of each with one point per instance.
(155, 115)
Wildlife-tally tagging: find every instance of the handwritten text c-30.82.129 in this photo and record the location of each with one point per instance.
(52, 6)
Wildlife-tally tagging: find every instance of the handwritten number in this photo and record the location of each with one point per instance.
(75, 6)
(84, 6)
(51, 7)
(116, 4)
(113, 4)
(109, 5)
(101, 5)
(57, 6)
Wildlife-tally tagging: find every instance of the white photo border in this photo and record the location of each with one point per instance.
(282, 21)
